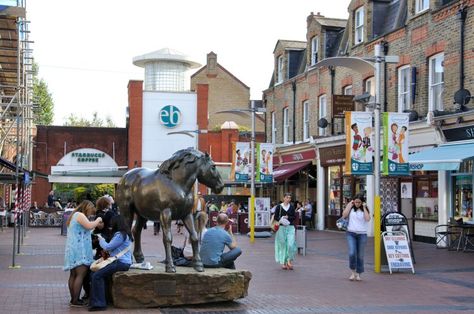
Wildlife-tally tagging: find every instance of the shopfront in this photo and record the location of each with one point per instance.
(295, 172)
(339, 188)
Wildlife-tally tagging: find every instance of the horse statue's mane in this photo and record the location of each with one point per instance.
(188, 155)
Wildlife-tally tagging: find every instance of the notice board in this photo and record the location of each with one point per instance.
(397, 250)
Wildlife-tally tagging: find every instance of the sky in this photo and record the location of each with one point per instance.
(84, 49)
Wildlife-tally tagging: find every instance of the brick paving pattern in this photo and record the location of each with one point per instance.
(443, 283)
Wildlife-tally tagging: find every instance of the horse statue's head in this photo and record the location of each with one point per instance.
(193, 162)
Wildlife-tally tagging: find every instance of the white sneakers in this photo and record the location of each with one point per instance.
(355, 276)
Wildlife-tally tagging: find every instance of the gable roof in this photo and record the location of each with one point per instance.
(224, 70)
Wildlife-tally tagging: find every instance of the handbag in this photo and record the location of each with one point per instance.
(275, 224)
(342, 222)
(103, 262)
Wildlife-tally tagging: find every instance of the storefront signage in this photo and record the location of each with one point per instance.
(329, 156)
(395, 143)
(459, 134)
(170, 116)
(82, 157)
(397, 250)
(341, 104)
(309, 154)
(359, 143)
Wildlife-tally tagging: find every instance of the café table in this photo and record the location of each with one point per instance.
(466, 228)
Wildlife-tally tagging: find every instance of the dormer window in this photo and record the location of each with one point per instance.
(359, 25)
(314, 50)
(421, 5)
(280, 70)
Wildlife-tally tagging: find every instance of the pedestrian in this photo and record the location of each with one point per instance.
(285, 242)
(119, 244)
(214, 242)
(51, 199)
(78, 254)
(199, 203)
(359, 216)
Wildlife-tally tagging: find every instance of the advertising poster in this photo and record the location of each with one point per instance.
(395, 144)
(262, 211)
(241, 164)
(264, 162)
(397, 250)
(359, 143)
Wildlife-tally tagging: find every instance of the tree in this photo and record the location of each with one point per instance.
(74, 120)
(44, 114)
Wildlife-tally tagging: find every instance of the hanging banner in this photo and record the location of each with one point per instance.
(241, 161)
(359, 143)
(395, 143)
(264, 162)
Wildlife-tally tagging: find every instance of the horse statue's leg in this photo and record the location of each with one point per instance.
(137, 234)
(189, 224)
(165, 219)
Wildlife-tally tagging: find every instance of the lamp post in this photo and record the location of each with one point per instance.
(363, 65)
(245, 112)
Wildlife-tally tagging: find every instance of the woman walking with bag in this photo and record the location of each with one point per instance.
(78, 253)
(285, 242)
(359, 217)
(118, 246)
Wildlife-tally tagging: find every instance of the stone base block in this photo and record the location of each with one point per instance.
(156, 288)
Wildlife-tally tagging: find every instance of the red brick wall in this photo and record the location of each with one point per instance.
(134, 123)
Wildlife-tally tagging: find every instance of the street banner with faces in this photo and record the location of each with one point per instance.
(264, 162)
(359, 143)
(395, 143)
(241, 162)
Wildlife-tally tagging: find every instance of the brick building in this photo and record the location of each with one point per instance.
(435, 47)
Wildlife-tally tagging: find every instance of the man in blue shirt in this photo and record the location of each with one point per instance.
(214, 242)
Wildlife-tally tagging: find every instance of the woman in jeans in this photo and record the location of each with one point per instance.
(121, 240)
(359, 217)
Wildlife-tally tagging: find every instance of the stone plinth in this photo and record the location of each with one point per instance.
(155, 288)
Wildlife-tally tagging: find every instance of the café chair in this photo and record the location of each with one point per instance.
(447, 236)
(469, 242)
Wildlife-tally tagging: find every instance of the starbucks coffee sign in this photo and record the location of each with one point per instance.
(88, 156)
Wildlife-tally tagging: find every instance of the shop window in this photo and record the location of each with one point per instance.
(426, 202)
(463, 182)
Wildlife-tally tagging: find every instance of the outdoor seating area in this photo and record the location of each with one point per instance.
(44, 219)
(455, 236)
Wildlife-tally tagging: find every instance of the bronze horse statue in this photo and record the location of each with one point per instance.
(166, 194)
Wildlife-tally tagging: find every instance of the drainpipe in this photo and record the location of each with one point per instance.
(332, 72)
(293, 84)
(385, 52)
(462, 16)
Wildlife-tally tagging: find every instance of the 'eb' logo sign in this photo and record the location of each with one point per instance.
(170, 116)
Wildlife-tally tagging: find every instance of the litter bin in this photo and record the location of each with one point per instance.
(63, 223)
(301, 239)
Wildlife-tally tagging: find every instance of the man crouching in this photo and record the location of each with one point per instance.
(215, 240)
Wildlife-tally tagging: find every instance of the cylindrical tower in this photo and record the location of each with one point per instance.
(166, 70)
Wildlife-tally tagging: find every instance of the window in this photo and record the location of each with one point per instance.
(314, 50)
(421, 5)
(280, 70)
(436, 82)
(348, 90)
(273, 132)
(359, 26)
(286, 125)
(404, 93)
(322, 112)
(369, 86)
(305, 120)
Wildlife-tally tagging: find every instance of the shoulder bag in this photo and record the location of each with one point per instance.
(342, 222)
(275, 224)
(101, 262)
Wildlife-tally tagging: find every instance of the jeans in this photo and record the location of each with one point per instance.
(97, 297)
(356, 243)
(227, 259)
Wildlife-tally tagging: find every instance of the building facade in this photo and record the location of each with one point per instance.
(434, 47)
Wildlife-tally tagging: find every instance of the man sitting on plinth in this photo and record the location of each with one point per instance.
(214, 242)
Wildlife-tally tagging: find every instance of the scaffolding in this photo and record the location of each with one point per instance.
(16, 114)
(16, 89)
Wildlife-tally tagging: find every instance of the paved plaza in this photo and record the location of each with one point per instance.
(443, 283)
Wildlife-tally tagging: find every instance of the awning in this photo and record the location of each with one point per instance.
(285, 171)
(443, 157)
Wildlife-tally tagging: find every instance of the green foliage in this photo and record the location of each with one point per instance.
(44, 114)
(80, 193)
(101, 189)
(74, 120)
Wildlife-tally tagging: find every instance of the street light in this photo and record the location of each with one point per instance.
(245, 113)
(364, 65)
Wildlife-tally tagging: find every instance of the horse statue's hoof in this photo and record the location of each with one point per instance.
(139, 258)
(198, 267)
(170, 269)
